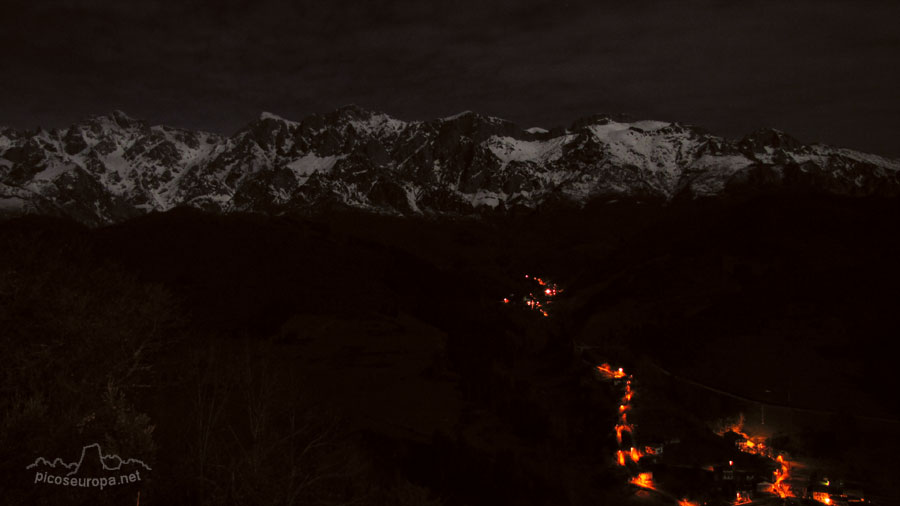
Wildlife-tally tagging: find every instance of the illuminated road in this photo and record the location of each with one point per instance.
(786, 481)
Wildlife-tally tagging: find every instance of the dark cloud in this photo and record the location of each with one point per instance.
(824, 70)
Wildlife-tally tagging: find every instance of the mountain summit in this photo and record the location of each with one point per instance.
(113, 167)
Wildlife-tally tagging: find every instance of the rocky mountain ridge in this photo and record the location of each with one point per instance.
(110, 168)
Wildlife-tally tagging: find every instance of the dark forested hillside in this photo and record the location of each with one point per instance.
(369, 359)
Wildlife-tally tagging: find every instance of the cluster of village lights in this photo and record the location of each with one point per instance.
(539, 301)
(757, 446)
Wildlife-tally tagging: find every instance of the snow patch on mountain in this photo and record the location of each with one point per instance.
(509, 149)
(52, 170)
(311, 163)
(486, 198)
(650, 125)
(714, 172)
(379, 125)
(413, 193)
(10, 203)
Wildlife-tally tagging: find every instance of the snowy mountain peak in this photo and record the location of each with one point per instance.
(112, 167)
(353, 112)
(458, 115)
(470, 116)
(115, 119)
(599, 119)
(769, 137)
(120, 115)
(265, 115)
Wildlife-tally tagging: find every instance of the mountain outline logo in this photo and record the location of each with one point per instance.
(103, 470)
(84, 451)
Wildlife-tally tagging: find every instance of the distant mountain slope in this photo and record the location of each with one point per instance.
(109, 168)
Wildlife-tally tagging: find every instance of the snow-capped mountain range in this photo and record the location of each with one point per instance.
(109, 168)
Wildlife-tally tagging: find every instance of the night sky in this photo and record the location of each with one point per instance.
(824, 71)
